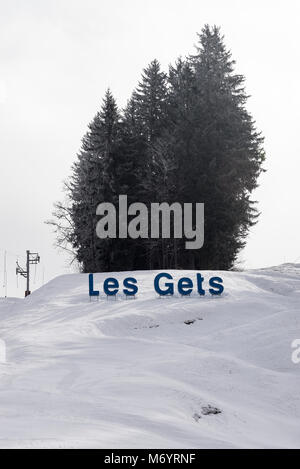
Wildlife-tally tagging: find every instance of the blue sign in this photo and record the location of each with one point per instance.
(164, 285)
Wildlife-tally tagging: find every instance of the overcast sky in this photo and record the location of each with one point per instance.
(57, 57)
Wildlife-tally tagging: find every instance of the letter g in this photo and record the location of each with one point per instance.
(169, 290)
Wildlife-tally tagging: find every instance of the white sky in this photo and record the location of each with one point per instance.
(57, 57)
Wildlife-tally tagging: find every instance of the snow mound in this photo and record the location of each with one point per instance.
(176, 372)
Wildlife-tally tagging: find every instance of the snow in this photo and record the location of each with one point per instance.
(196, 372)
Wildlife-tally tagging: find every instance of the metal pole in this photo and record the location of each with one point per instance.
(27, 268)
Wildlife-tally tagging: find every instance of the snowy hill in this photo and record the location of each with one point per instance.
(174, 372)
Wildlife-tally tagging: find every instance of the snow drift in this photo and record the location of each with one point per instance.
(196, 372)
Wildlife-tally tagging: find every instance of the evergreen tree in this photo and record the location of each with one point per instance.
(229, 153)
(149, 101)
(93, 182)
(178, 137)
(185, 137)
(131, 172)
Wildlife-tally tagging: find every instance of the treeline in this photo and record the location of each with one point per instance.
(184, 136)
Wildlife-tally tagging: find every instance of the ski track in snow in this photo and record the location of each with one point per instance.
(142, 373)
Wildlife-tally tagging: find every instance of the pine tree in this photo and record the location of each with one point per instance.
(131, 171)
(185, 137)
(149, 102)
(93, 182)
(229, 152)
(179, 136)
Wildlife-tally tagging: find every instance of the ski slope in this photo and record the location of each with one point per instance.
(172, 373)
